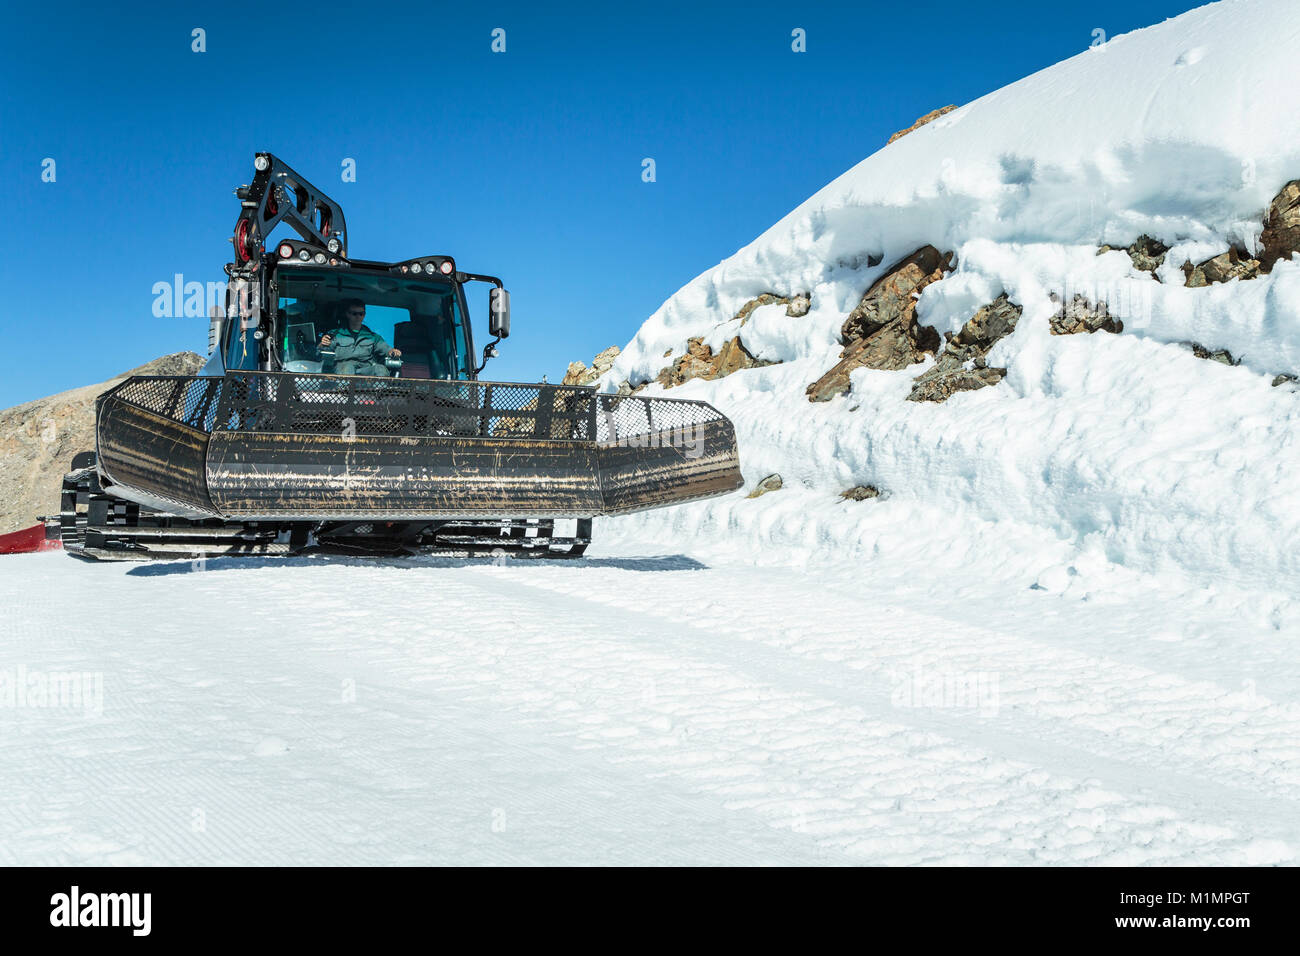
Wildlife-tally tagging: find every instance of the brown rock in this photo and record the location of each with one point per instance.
(1147, 254)
(963, 366)
(860, 493)
(940, 384)
(770, 483)
(927, 118)
(1234, 264)
(894, 294)
(882, 332)
(700, 362)
(1078, 315)
(1222, 356)
(796, 305)
(1281, 235)
(993, 322)
(767, 298)
(579, 374)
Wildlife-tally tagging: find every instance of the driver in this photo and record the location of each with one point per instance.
(357, 350)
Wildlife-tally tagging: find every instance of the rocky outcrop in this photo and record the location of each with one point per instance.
(1147, 254)
(1079, 315)
(38, 440)
(1236, 263)
(1222, 356)
(796, 306)
(927, 118)
(700, 361)
(963, 366)
(579, 374)
(1279, 240)
(770, 483)
(860, 493)
(1281, 235)
(882, 331)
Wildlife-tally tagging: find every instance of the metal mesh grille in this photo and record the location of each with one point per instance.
(192, 401)
(625, 418)
(357, 405)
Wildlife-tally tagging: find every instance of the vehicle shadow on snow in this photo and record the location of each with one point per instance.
(663, 562)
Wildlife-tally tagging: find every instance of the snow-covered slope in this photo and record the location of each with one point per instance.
(627, 710)
(1098, 456)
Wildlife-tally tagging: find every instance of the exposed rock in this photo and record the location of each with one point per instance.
(1234, 264)
(963, 366)
(860, 493)
(927, 118)
(767, 298)
(770, 483)
(799, 305)
(1281, 235)
(701, 362)
(38, 440)
(1222, 356)
(987, 326)
(1279, 240)
(1283, 379)
(940, 384)
(796, 305)
(1147, 254)
(882, 331)
(579, 374)
(1078, 315)
(893, 295)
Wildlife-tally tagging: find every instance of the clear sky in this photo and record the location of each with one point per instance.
(526, 164)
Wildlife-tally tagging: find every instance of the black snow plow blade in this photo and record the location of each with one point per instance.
(268, 446)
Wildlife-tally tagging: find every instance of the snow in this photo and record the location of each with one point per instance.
(1124, 452)
(637, 706)
(1064, 634)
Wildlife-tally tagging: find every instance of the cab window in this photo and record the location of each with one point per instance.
(421, 318)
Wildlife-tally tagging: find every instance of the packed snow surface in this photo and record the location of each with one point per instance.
(631, 707)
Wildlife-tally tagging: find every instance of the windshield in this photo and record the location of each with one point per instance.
(366, 317)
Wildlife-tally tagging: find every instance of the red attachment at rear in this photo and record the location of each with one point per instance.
(28, 540)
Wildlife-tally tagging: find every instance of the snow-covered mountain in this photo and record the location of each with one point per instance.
(1097, 457)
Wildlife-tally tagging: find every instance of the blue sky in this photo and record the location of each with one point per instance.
(526, 164)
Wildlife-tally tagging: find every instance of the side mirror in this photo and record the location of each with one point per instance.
(499, 313)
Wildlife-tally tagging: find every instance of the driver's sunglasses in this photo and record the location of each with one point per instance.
(357, 313)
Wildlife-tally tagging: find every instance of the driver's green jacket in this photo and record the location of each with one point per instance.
(358, 353)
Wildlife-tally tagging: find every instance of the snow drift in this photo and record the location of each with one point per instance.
(1097, 456)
